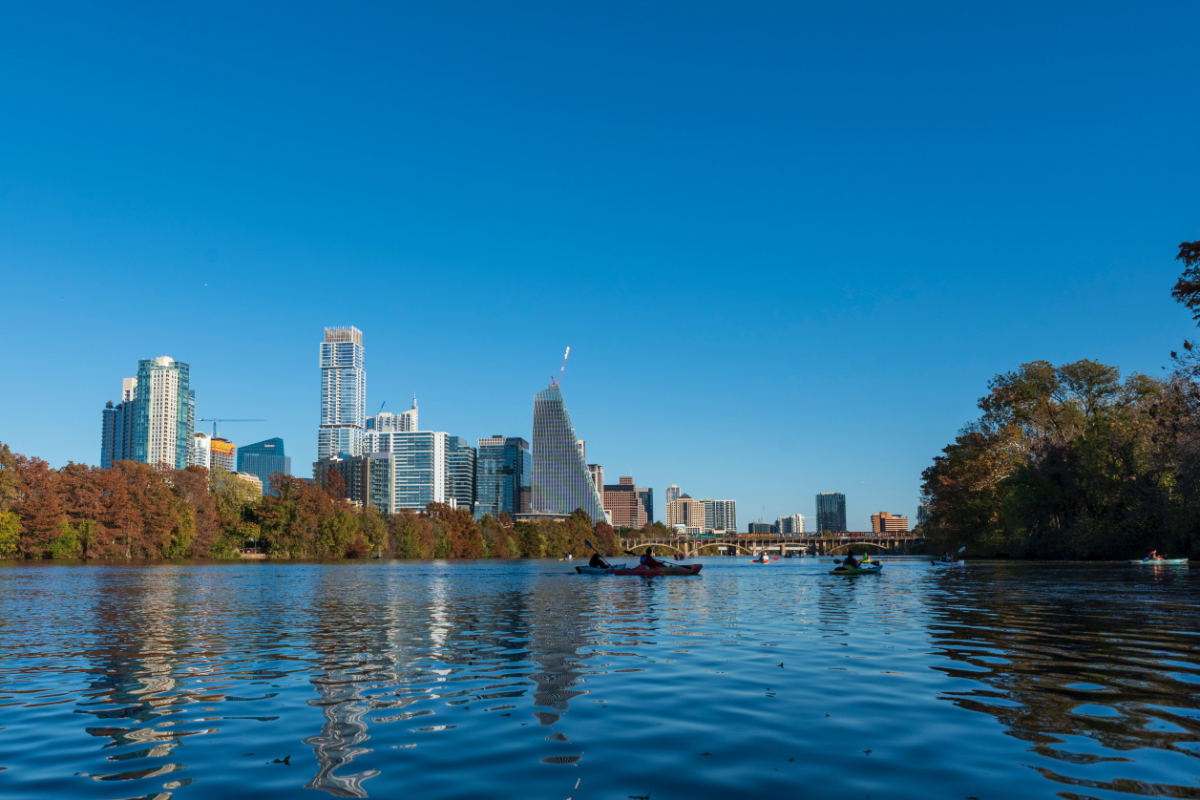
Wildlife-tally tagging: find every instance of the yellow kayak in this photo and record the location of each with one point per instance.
(861, 569)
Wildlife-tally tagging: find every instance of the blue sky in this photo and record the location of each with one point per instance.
(788, 243)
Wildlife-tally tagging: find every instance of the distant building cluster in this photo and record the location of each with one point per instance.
(388, 462)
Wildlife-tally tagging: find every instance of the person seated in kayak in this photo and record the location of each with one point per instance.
(850, 561)
(649, 561)
(1154, 556)
(597, 561)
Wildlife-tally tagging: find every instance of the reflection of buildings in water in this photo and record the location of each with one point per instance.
(344, 730)
(558, 629)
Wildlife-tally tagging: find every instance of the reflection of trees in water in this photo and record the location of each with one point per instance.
(1070, 644)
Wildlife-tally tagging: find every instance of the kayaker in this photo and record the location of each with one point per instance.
(649, 561)
(1154, 556)
(597, 562)
(850, 562)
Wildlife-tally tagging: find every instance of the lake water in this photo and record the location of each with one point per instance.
(521, 679)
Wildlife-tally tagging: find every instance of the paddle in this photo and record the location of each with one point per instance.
(602, 558)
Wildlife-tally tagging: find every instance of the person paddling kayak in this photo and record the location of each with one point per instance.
(850, 561)
(597, 562)
(649, 561)
(1154, 556)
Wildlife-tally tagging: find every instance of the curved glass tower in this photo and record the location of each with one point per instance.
(561, 482)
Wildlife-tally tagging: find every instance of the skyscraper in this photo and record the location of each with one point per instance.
(630, 505)
(117, 430)
(343, 394)
(200, 455)
(885, 522)
(502, 475)
(264, 459)
(422, 474)
(720, 515)
(404, 421)
(672, 493)
(561, 482)
(164, 413)
(222, 454)
(460, 469)
(687, 512)
(831, 512)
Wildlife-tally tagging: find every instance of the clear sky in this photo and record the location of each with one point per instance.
(788, 243)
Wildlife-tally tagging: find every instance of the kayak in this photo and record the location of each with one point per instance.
(865, 569)
(599, 570)
(669, 569)
(947, 563)
(760, 561)
(1158, 561)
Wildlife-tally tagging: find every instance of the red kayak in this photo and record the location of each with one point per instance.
(669, 569)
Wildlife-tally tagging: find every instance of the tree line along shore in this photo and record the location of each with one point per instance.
(1072, 461)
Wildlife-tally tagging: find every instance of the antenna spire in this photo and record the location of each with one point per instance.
(564, 366)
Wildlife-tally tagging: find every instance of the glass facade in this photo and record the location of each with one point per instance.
(561, 482)
(502, 470)
(343, 394)
(116, 437)
(831, 512)
(460, 468)
(163, 412)
(264, 459)
(421, 471)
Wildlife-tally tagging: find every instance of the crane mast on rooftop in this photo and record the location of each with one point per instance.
(215, 420)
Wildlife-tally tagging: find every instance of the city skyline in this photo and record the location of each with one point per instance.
(822, 248)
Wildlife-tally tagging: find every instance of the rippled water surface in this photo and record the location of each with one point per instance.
(520, 679)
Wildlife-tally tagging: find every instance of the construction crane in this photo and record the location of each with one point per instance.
(564, 367)
(215, 420)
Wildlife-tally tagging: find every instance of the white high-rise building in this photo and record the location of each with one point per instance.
(673, 492)
(343, 394)
(164, 412)
(793, 524)
(720, 515)
(422, 472)
(200, 454)
(389, 423)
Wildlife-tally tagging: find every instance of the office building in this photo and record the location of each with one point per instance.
(720, 515)
(163, 411)
(390, 423)
(561, 482)
(422, 473)
(117, 430)
(343, 394)
(200, 454)
(831, 512)
(883, 522)
(685, 511)
(792, 525)
(758, 528)
(503, 471)
(350, 470)
(630, 506)
(223, 454)
(264, 459)
(672, 494)
(460, 468)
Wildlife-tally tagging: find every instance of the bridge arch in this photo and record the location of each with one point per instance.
(881, 547)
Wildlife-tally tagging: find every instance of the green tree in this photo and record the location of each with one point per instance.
(10, 534)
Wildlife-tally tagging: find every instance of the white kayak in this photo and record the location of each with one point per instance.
(940, 563)
(599, 570)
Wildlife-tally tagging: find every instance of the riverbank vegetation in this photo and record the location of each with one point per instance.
(1076, 461)
(136, 511)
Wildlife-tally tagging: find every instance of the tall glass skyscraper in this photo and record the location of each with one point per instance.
(561, 482)
(163, 413)
(264, 459)
(831, 512)
(502, 470)
(421, 473)
(343, 394)
(460, 469)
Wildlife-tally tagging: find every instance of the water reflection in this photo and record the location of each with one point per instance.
(440, 680)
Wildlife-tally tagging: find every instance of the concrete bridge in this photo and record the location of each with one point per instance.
(754, 543)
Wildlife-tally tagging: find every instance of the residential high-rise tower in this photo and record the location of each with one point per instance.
(164, 413)
(343, 394)
(831, 512)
